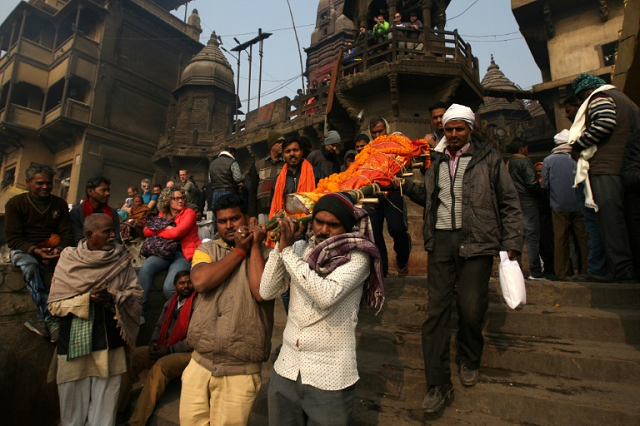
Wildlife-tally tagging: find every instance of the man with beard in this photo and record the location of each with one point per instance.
(98, 191)
(261, 176)
(436, 110)
(471, 213)
(38, 228)
(187, 186)
(297, 175)
(167, 354)
(230, 331)
(330, 277)
(96, 295)
(326, 158)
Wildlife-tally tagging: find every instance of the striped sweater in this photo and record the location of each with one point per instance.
(602, 113)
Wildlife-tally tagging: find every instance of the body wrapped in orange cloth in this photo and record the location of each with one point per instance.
(377, 164)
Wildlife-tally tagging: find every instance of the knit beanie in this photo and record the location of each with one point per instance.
(332, 138)
(273, 138)
(340, 205)
(585, 82)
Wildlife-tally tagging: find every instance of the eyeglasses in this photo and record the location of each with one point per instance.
(178, 198)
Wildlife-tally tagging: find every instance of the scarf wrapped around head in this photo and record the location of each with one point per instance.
(585, 82)
(336, 251)
(562, 143)
(455, 112)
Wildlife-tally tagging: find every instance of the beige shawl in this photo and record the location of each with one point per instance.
(80, 269)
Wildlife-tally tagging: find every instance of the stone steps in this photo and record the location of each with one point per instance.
(570, 356)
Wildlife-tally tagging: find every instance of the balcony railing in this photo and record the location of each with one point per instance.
(19, 115)
(74, 110)
(399, 43)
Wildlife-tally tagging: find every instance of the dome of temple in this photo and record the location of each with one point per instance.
(495, 79)
(209, 68)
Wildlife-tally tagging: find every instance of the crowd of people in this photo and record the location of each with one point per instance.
(215, 327)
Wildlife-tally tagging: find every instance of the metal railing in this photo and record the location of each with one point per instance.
(399, 43)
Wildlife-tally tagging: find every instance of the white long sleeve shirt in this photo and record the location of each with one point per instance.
(319, 341)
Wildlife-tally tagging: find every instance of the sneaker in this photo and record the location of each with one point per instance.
(142, 321)
(53, 327)
(403, 272)
(469, 377)
(537, 277)
(38, 326)
(437, 397)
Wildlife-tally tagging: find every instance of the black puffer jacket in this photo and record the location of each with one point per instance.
(525, 180)
(491, 215)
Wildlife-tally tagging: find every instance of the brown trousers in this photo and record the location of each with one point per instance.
(563, 224)
(160, 374)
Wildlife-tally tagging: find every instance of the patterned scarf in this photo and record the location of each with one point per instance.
(336, 251)
(307, 184)
(182, 323)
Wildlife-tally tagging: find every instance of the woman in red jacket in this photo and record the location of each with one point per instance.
(171, 204)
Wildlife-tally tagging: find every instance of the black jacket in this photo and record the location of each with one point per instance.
(525, 180)
(491, 215)
(630, 173)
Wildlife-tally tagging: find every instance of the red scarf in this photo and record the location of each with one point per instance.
(87, 209)
(182, 323)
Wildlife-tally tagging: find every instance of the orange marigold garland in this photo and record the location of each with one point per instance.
(378, 162)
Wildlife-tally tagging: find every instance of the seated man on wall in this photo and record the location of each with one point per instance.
(96, 294)
(98, 191)
(167, 355)
(38, 228)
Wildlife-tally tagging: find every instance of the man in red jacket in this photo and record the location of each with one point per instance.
(167, 354)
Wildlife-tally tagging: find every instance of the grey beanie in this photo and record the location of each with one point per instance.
(332, 138)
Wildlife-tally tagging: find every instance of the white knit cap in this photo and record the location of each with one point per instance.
(459, 112)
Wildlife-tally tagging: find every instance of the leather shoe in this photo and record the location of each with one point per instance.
(469, 377)
(437, 397)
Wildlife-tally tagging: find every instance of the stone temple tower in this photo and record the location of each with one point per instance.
(200, 117)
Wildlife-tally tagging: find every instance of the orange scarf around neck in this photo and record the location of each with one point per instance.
(307, 184)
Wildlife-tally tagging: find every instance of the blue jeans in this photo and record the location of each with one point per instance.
(214, 198)
(32, 275)
(597, 260)
(531, 216)
(292, 403)
(154, 265)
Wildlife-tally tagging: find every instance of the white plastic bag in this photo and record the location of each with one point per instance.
(511, 281)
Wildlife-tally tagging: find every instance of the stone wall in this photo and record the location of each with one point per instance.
(25, 396)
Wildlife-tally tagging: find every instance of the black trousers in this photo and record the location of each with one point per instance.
(608, 193)
(447, 270)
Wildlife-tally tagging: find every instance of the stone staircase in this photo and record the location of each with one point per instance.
(571, 356)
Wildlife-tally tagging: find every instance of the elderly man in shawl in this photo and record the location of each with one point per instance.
(96, 295)
(471, 212)
(166, 356)
(604, 124)
(330, 276)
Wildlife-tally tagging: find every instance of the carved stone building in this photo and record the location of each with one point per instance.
(84, 88)
(566, 38)
(503, 120)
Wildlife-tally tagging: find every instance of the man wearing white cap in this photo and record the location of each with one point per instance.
(471, 213)
(558, 175)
